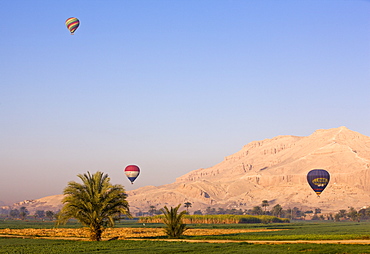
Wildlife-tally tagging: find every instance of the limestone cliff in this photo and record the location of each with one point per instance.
(275, 170)
(271, 169)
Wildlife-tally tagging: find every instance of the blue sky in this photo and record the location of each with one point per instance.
(171, 86)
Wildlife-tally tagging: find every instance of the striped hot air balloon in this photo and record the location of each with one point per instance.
(132, 172)
(72, 24)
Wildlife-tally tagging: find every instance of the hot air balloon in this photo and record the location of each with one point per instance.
(72, 24)
(318, 179)
(132, 172)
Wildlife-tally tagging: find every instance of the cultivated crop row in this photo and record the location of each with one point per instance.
(218, 219)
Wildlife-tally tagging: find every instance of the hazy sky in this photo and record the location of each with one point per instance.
(171, 86)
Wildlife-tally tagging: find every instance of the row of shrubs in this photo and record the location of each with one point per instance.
(219, 219)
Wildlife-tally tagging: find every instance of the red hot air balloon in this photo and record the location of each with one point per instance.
(132, 172)
(72, 24)
(318, 179)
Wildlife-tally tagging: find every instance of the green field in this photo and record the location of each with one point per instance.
(294, 231)
(14, 245)
(303, 231)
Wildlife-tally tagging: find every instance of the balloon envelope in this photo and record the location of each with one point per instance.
(72, 24)
(318, 179)
(132, 172)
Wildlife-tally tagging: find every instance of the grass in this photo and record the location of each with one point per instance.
(305, 230)
(40, 246)
(292, 231)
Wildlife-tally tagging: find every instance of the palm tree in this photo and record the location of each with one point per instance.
(342, 213)
(276, 210)
(187, 205)
(152, 210)
(173, 220)
(14, 213)
(96, 203)
(265, 204)
(23, 212)
(49, 214)
(257, 210)
(353, 214)
(39, 214)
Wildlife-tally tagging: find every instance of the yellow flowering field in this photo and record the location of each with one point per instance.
(121, 233)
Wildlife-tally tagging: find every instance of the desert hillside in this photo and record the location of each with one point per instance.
(274, 170)
(271, 169)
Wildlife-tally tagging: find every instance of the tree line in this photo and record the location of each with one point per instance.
(97, 204)
(277, 210)
(22, 213)
(294, 213)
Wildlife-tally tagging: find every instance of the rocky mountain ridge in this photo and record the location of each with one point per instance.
(49, 203)
(274, 170)
(271, 169)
